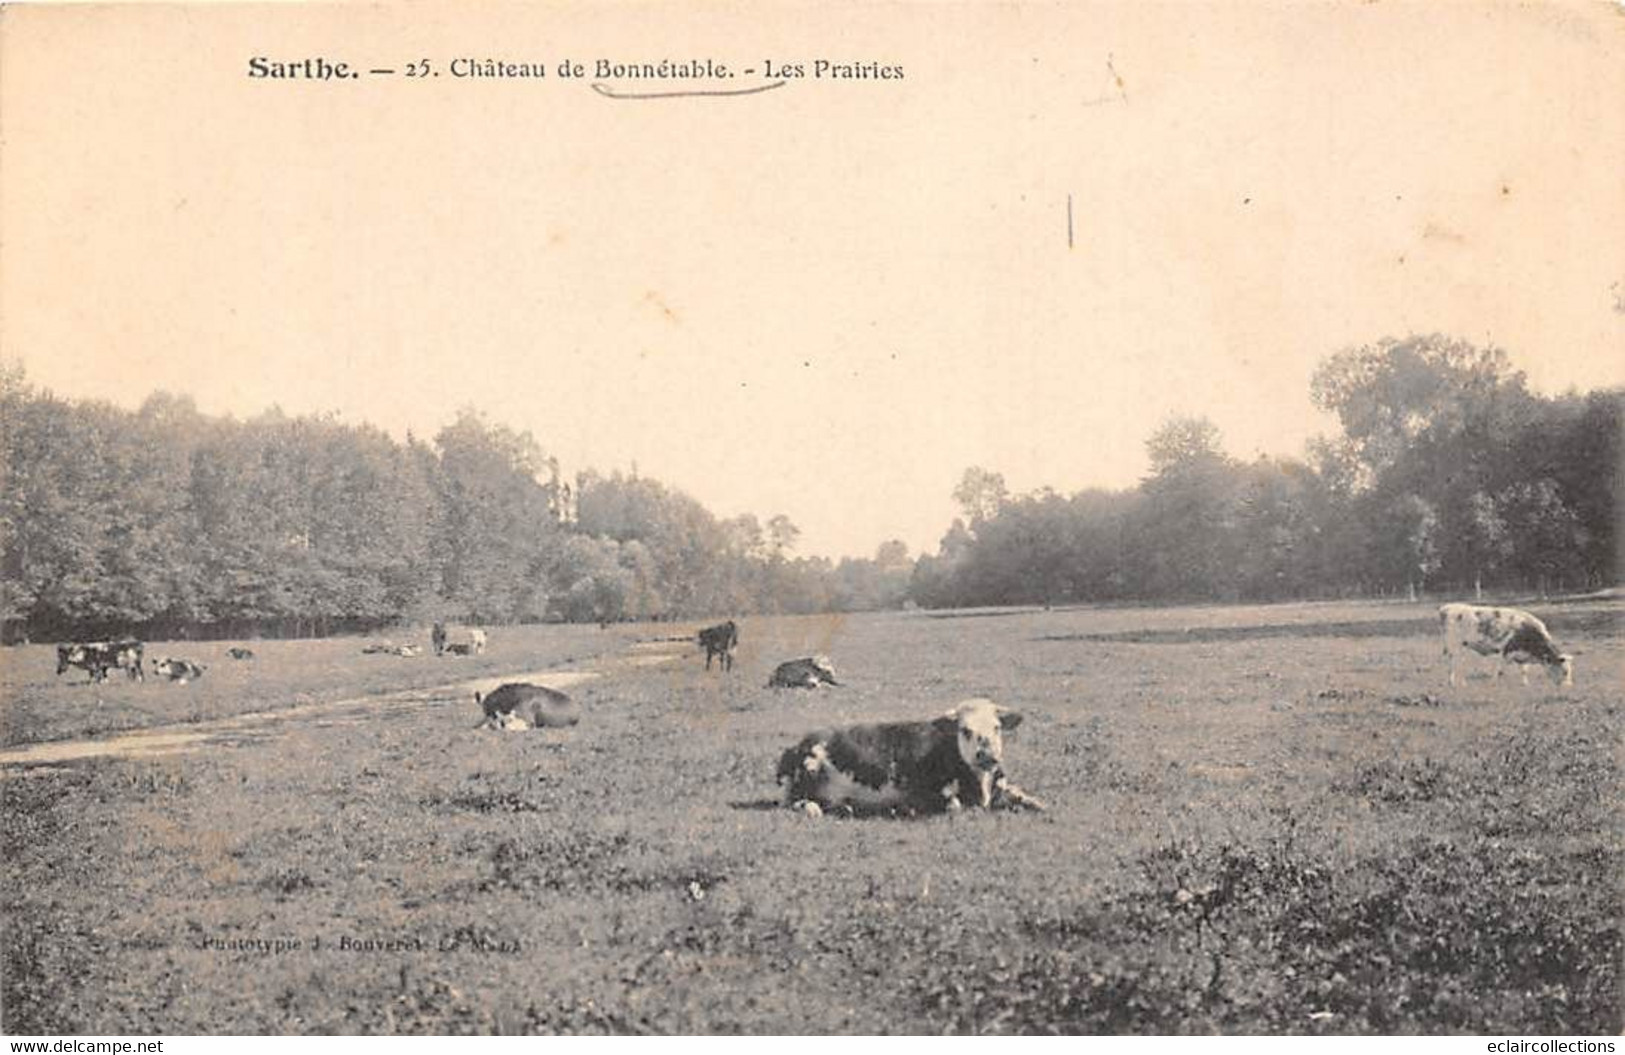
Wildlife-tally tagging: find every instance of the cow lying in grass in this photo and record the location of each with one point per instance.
(179, 671)
(807, 673)
(519, 705)
(387, 649)
(906, 767)
(1510, 633)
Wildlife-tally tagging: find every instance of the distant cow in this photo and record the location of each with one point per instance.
(127, 654)
(387, 649)
(520, 705)
(470, 644)
(240, 653)
(1511, 633)
(96, 658)
(807, 673)
(720, 640)
(910, 767)
(179, 671)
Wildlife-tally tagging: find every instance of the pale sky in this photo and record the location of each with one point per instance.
(829, 299)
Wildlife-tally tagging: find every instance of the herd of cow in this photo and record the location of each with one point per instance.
(896, 767)
(939, 764)
(944, 763)
(98, 657)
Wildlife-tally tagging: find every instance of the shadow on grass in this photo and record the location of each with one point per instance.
(757, 805)
(1199, 634)
(1599, 622)
(984, 613)
(848, 812)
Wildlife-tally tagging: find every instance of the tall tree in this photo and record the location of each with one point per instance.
(1188, 526)
(499, 530)
(1391, 395)
(981, 494)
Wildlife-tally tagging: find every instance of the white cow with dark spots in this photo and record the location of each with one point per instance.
(471, 642)
(180, 671)
(1510, 633)
(98, 657)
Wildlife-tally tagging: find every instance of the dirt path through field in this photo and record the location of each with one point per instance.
(259, 726)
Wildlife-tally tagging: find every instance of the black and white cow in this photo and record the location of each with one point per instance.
(179, 671)
(240, 653)
(1511, 633)
(720, 640)
(519, 705)
(807, 673)
(906, 767)
(96, 658)
(127, 654)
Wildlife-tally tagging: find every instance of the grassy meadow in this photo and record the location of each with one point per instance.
(1262, 819)
(38, 705)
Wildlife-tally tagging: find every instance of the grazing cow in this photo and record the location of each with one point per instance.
(807, 673)
(96, 658)
(720, 640)
(1511, 633)
(912, 767)
(520, 705)
(240, 653)
(179, 671)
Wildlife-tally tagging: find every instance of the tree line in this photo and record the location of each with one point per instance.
(164, 521)
(1449, 475)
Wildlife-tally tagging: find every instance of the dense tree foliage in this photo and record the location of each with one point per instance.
(166, 521)
(1449, 475)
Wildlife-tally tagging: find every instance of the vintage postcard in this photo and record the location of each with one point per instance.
(790, 518)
